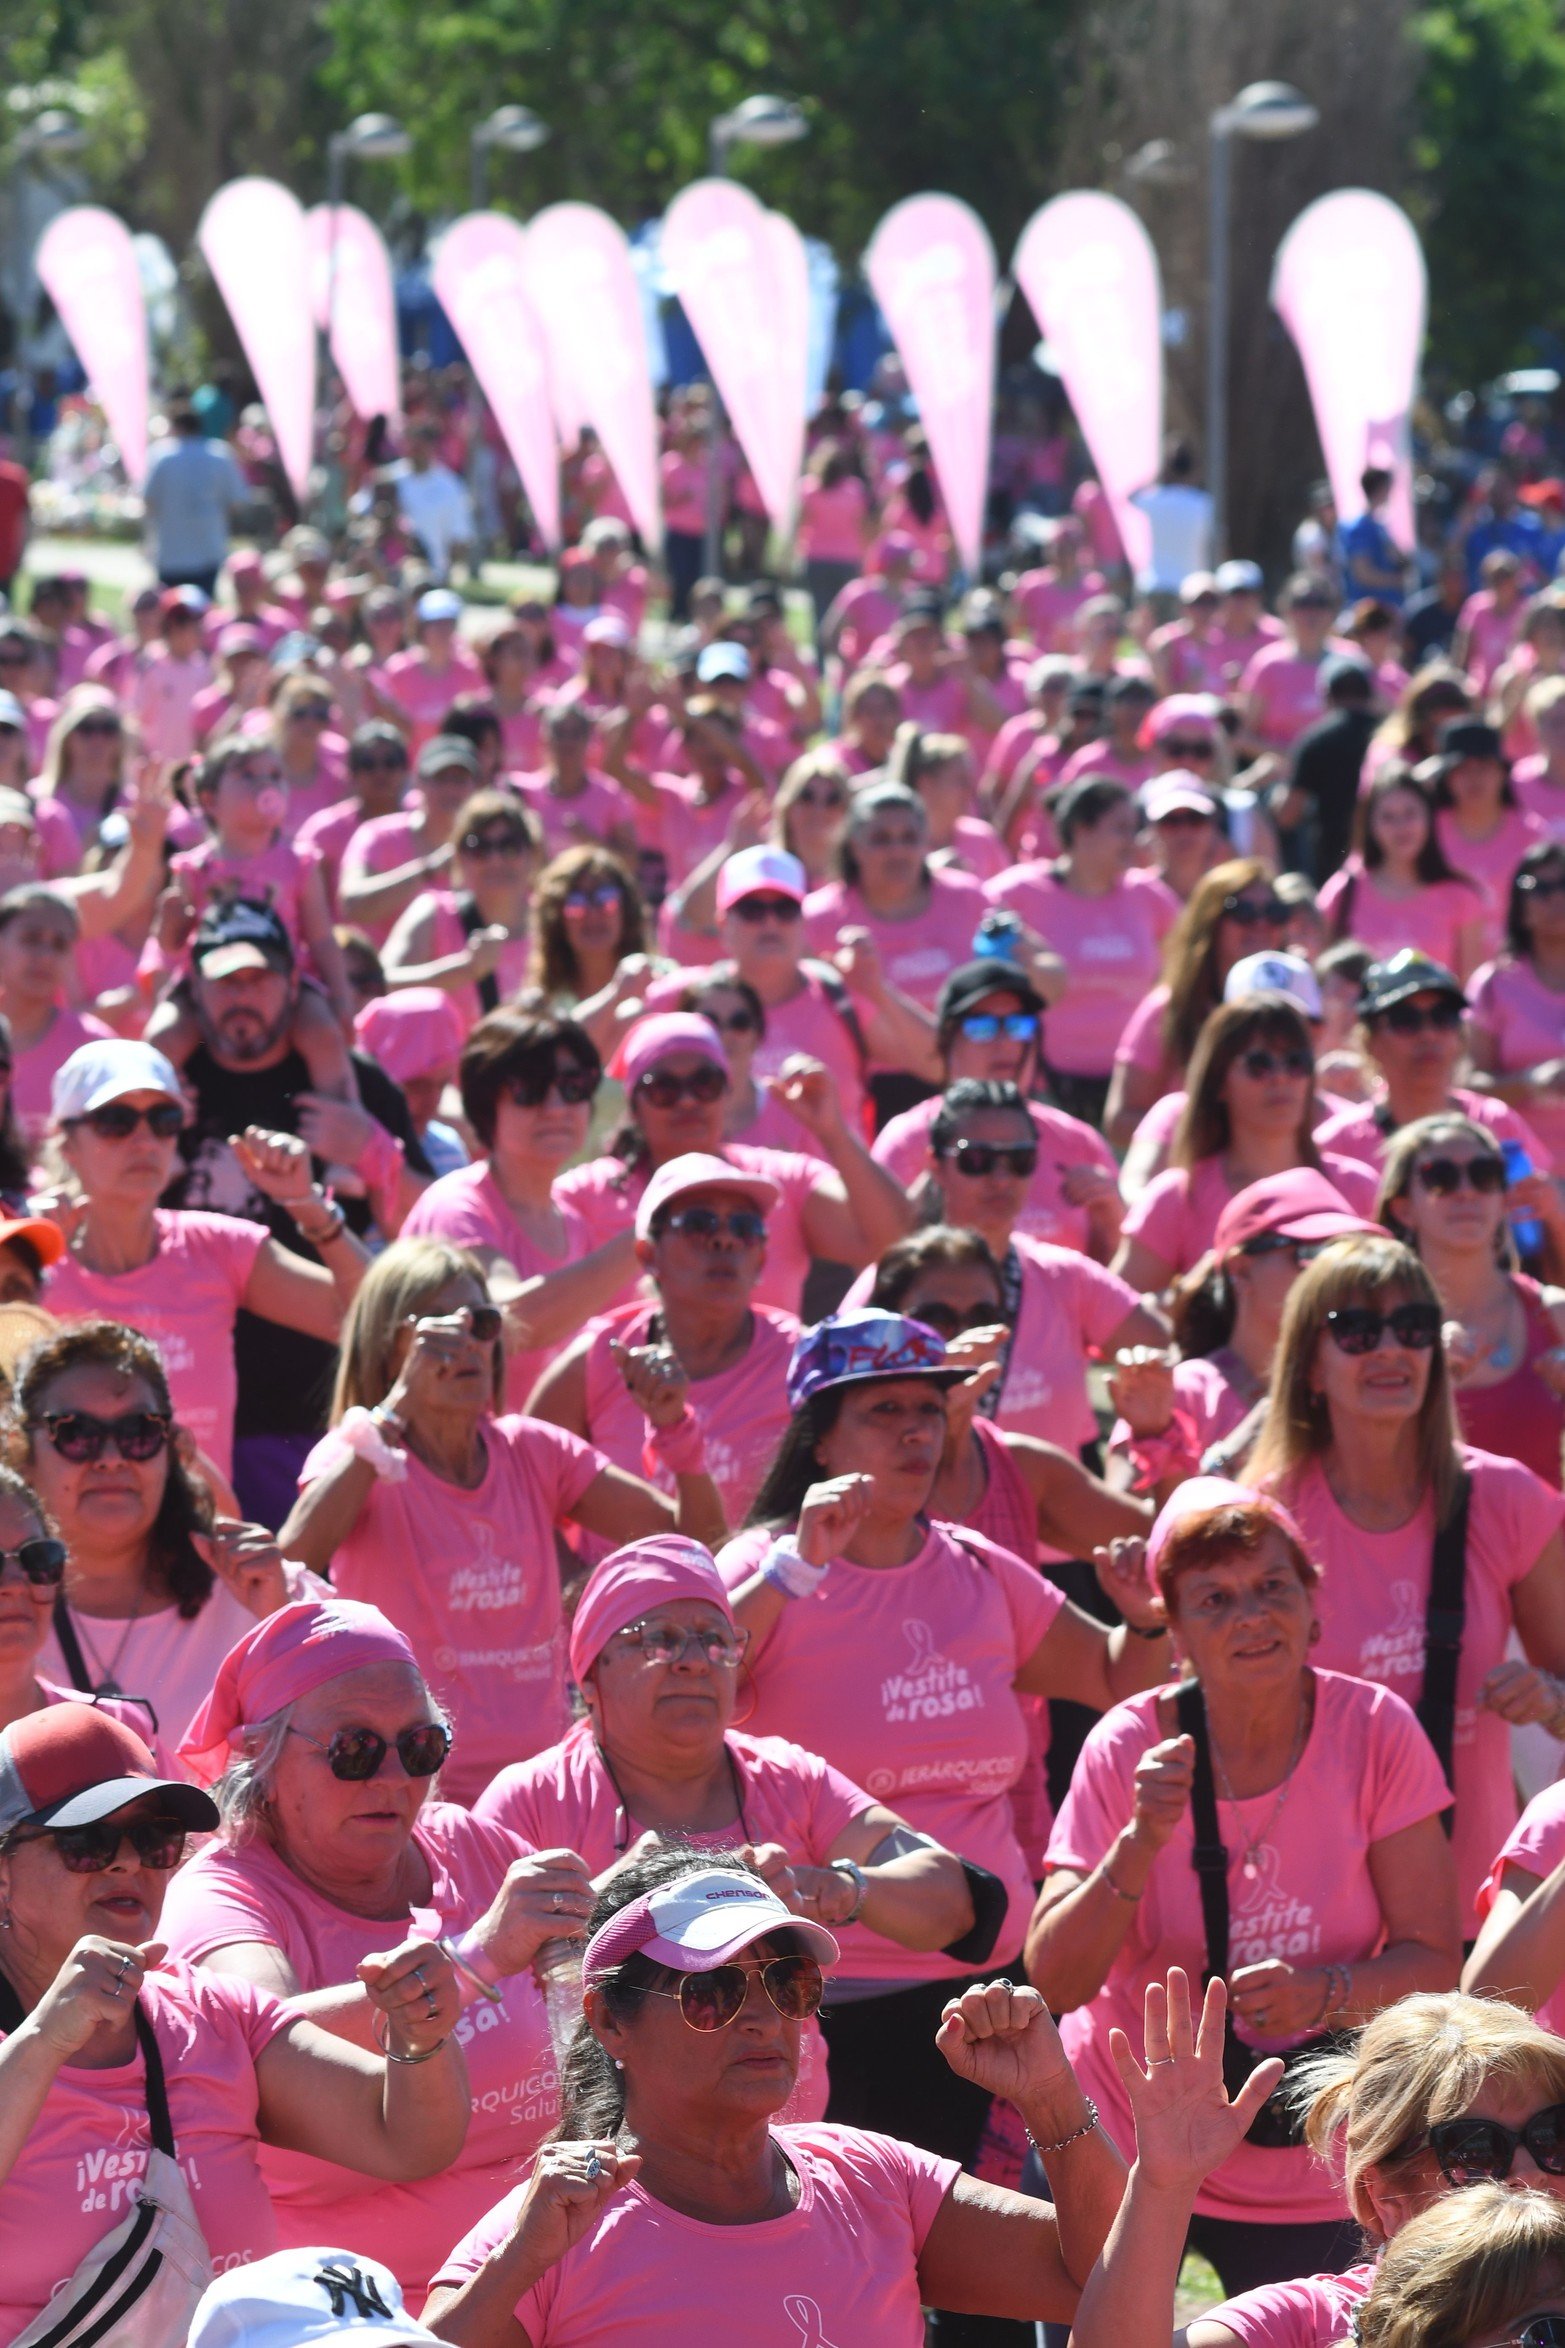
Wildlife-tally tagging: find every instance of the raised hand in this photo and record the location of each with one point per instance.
(248, 1559)
(1141, 1388)
(832, 1513)
(1164, 1775)
(1185, 2124)
(569, 2185)
(277, 1164)
(546, 1896)
(1121, 1569)
(1002, 2039)
(655, 1379)
(415, 1986)
(807, 1092)
(94, 1989)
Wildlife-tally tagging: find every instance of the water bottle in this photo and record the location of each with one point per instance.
(557, 1969)
(997, 936)
(1526, 1229)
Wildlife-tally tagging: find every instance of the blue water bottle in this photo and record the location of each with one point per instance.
(998, 935)
(1526, 1229)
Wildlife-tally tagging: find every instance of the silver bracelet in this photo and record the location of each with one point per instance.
(860, 1882)
(382, 2038)
(1075, 2136)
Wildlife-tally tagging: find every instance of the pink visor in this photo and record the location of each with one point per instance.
(1203, 1496)
(659, 1038)
(698, 1923)
(295, 1650)
(631, 1581)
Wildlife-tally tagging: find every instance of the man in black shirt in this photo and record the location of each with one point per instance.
(1429, 618)
(245, 1071)
(1318, 799)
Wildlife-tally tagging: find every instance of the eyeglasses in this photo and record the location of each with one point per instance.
(482, 845)
(1273, 1243)
(666, 1091)
(1270, 913)
(98, 725)
(355, 1754)
(41, 1561)
(1534, 884)
(986, 1027)
(759, 908)
(529, 1089)
(117, 1120)
(317, 712)
(710, 2001)
(385, 762)
(739, 1022)
(828, 799)
(741, 1223)
(1358, 1328)
(88, 1850)
(947, 1322)
(586, 900)
(1193, 746)
(484, 1322)
(1468, 2149)
(1445, 1017)
(978, 1158)
(79, 1437)
(1539, 2331)
(1259, 1062)
(1446, 1176)
(669, 1643)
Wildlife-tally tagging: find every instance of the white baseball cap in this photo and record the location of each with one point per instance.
(1275, 974)
(1178, 790)
(439, 603)
(295, 2297)
(1240, 578)
(753, 872)
(722, 660)
(608, 628)
(11, 711)
(699, 1922)
(98, 1073)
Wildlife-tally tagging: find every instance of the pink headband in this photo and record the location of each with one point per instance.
(654, 1039)
(1202, 1496)
(297, 1649)
(632, 1581)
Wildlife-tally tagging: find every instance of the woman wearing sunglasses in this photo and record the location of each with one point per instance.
(472, 937)
(1446, 1192)
(81, 776)
(589, 952)
(1442, 2100)
(313, 749)
(1516, 1023)
(811, 806)
(1481, 827)
(659, 1659)
(1340, 1889)
(40, 931)
(838, 1206)
(32, 1568)
(1396, 888)
(990, 1025)
(671, 2199)
(1233, 912)
(321, 1743)
(1360, 1443)
(423, 1498)
(1249, 1115)
(98, 2019)
(181, 1275)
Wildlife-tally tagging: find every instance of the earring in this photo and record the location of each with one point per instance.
(5, 1917)
(618, 2065)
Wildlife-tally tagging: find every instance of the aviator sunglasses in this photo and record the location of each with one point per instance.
(979, 1158)
(710, 2001)
(665, 1090)
(1446, 1176)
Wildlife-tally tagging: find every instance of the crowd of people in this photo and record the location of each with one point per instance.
(786, 1386)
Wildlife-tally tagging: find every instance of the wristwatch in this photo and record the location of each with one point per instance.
(860, 1882)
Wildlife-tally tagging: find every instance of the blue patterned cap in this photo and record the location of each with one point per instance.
(864, 1344)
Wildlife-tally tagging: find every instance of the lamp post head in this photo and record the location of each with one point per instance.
(55, 131)
(762, 122)
(515, 128)
(1266, 110)
(374, 138)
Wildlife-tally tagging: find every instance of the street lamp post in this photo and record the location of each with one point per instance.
(1262, 110)
(371, 138)
(50, 136)
(515, 129)
(755, 122)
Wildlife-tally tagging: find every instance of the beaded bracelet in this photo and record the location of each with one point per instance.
(1060, 2142)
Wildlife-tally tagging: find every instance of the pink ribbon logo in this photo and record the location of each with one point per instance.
(807, 2315)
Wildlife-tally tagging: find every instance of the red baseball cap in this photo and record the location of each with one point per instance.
(71, 1765)
(1300, 1204)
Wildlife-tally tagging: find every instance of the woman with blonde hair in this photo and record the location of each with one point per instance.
(1441, 2103)
(81, 777)
(810, 811)
(939, 769)
(1233, 911)
(1483, 2270)
(1431, 1553)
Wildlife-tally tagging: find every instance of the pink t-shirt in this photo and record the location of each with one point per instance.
(185, 1299)
(605, 1197)
(1314, 2311)
(467, 1209)
(807, 1022)
(1355, 1134)
(1232, 654)
(1537, 1843)
(75, 2177)
(1046, 606)
(689, 827)
(743, 1412)
(1110, 949)
(1132, 768)
(598, 809)
(917, 954)
(1287, 694)
(866, 608)
(976, 847)
(448, 935)
(940, 706)
(424, 694)
(683, 481)
(902, 1679)
(1011, 744)
(1492, 862)
(1524, 1021)
(1177, 1214)
(326, 835)
(226, 1896)
(473, 1581)
(162, 700)
(35, 1068)
(840, 2267)
(1538, 796)
(1373, 1593)
(1491, 634)
(1367, 1769)
(384, 844)
(277, 876)
(1432, 920)
(902, 1147)
(1141, 1039)
(831, 520)
(1207, 1396)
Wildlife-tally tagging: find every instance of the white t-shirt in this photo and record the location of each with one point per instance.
(1181, 519)
(437, 509)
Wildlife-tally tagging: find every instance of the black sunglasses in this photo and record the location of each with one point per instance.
(355, 1754)
(1274, 1243)
(484, 1322)
(482, 845)
(745, 1224)
(1539, 2331)
(1194, 746)
(1408, 1019)
(41, 1561)
(1468, 2149)
(760, 908)
(1259, 1062)
(1358, 1328)
(117, 1120)
(666, 1091)
(978, 1158)
(740, 1022)
(947, 1322)
(81, 1438)
(98, 725)
(1533, 884)
(1270, 913)
(383, 762)
(529, 1089)
(710, 2001)
(1446, 1176)
(88, 1850)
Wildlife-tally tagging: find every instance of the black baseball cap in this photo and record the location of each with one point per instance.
(241, 934)
(1407, 974)
(1470, 737)
(975, 981)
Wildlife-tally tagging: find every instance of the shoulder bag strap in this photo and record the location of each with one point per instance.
(70, 1647)
(835, 988)
(468, 915)
(1445, 1619)
(1209, 1857)
(12, 2016)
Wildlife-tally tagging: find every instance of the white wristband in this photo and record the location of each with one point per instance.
(359, 1433)
(789, 1572)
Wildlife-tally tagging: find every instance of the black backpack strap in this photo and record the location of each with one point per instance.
(835, 989)
(1445, 1620)
(472, 922)
(1210, 1856)
(70, 1647)
(12, 2016)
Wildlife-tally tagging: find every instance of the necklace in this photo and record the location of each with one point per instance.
(108, 1681)
(1252, 1844)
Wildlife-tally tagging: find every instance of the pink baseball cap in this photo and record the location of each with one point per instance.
(411, 1032)
(1300, 1204)
(1175, 792)
(755, 872)
(697, 1923)
(1202, 1496)
(291, 1652)
(607, 628)
(245, 562)
(1177, 713)
(658, 1038)
(699, 1170)
(629, 1582)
